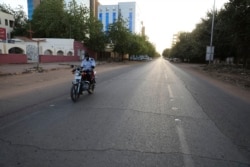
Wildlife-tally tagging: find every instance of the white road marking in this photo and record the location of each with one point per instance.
(170, 92)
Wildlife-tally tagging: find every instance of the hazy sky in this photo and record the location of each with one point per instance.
(162, 18)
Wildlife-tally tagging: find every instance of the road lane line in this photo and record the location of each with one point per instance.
(188, 161)
(170, 92)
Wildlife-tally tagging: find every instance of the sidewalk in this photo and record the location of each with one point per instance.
(17, 69)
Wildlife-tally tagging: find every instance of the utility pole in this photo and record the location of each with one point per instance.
(212, 33)
(30, 31)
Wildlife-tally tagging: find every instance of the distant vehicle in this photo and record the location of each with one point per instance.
(140, 58)
(175, 59)
(145, 57)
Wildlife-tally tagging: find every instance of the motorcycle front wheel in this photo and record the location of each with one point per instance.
(91, 89)
(74, 93)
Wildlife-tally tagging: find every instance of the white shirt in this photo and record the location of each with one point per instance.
(87, 64)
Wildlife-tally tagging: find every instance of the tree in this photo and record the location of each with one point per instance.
(231, 35)
(97, 38)
(21, 23)
(135, 44)
(239, 25)
(119, 35)
(77, 21)
(166, 53)
(47, 20)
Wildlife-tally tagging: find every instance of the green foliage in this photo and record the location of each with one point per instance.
(126, 42)
(166, 53)
(20, 19)
(6, 9)
(231, 35)
(76, 19)
(97, 38)
(119, 35)
(48, 19)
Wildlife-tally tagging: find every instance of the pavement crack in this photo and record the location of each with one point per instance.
(148, 112)
(194, 156)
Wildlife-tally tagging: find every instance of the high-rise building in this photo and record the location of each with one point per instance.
(175, 38)
(94, 7)
(32, 4)
(129, 12)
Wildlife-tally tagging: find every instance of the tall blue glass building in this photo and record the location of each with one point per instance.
(32, 4)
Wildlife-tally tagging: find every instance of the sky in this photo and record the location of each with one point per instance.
(161, 18)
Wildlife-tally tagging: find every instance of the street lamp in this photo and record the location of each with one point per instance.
(211, 40)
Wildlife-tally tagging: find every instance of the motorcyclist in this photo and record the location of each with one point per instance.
(88, 64)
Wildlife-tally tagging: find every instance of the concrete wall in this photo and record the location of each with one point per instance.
(5, 47)
(48, 51)
(13, 59)
(22, 58)
(54, 45)
(51, 58)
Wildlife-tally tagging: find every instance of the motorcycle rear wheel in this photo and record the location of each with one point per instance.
(74, 94)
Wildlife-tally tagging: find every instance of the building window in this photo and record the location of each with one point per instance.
(6, 22)
(114, 17)
(107, 22)
(130, 21)
(100, 17)
(11, 23)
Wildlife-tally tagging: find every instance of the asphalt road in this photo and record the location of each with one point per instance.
(149, 114)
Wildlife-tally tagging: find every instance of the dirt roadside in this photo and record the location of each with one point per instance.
(235, 83)
(11, 85)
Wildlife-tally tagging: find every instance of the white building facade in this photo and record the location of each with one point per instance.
(129, 11)
(49, 46)
(6, 25)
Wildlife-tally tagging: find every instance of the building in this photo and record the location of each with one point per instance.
(26, 50)
(129, 12)
(81, 2)
(94, 7)
(32, 4)
(175, 39)
(6, 25)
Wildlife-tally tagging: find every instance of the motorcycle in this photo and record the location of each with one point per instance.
(83, 81)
